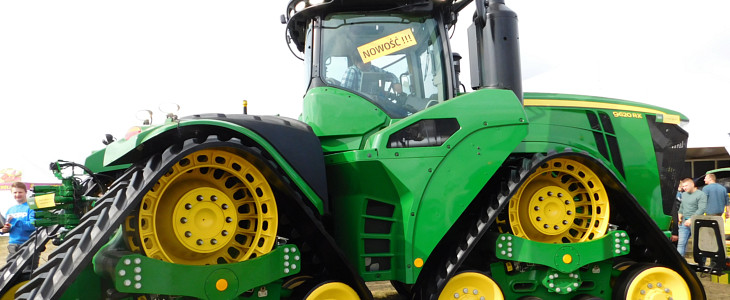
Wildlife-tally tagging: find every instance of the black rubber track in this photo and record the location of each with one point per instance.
(13, 271)
(124, 196)
(648, 242)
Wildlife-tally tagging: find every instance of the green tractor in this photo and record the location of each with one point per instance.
(392, 173)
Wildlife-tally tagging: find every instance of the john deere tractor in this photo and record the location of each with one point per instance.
(393, 172)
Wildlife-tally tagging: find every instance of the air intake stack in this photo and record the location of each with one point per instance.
(494, 48)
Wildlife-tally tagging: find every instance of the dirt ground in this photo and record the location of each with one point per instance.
(382, 290)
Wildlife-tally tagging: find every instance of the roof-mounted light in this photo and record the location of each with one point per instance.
(315, 2)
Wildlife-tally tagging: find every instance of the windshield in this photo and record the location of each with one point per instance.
(393, 61)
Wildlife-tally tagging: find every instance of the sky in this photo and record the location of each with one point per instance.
(72, 71)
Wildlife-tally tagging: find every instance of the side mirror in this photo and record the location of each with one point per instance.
(405, 81)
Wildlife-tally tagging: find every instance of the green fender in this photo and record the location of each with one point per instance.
(288, 142)
(492, 123)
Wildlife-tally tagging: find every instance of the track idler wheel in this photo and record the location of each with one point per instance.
(649, 281)
(332, 291)
(471, 286)
(563, 201)
(214, 206)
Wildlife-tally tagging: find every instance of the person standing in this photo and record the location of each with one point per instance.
(717, 199)
(19, 219)
(694, 203)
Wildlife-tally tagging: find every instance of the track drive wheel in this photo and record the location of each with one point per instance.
(563, 201)
(214, 206)
(649, 281)
(471, 286)
(10, 295)
(332, 291)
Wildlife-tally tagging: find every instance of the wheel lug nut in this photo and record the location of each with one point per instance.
(567, 202)
(200, 242)
(229, 220)
(188, 234)
(188, 206)
(541, 198)
(569, 212)
(214, 241)
(556, 227)
(565, 222)
(224, 206)
(539, 219)
(213, 198)
(537, 208)
(183, 220)
(560, 195)
(550, 193)
(199, 198)
(546, 226)
(224, 233)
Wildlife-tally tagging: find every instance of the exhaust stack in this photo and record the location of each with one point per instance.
(494, 48)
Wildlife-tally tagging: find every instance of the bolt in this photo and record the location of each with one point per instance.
(537, 208)
(541, 198)
(539, 219)
(214, 241)
(188, 234)
(224, 233)
(466, 291)
(188, 206)
(183, 220)
(200, 242)
(213, 198)
(659, 284)
(224, 206)
(476, 292)
(550, 193)
(569, 213)
(546, 226)
(650, 285)
(229, 220)
(565, 222)
(643, 292)
(456, 295)
(556, 227)
(567, 202)
(560, 195)
(199, 198)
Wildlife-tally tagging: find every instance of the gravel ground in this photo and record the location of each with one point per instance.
(382, 290)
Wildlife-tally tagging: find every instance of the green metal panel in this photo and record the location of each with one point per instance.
(341, 119)
(139, 274)
(414, 186)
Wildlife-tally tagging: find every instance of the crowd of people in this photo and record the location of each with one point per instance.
(711, 200)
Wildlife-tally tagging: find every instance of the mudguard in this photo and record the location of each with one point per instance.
(290, 143)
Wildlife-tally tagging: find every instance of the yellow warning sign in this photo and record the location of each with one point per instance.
(387, 45)
(44, 201)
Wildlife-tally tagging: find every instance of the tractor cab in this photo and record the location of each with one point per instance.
(392, 57)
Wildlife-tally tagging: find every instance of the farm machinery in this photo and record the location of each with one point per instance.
(392, 173)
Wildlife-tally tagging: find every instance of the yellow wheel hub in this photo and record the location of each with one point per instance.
(471, 286)
(564, 201)
(204, 220)
(211, 207)
(10, 294)
(332, 291)
(658, 283)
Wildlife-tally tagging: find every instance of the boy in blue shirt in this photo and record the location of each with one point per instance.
(19, 219)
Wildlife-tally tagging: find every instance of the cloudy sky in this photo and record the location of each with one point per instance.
(71, 71)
